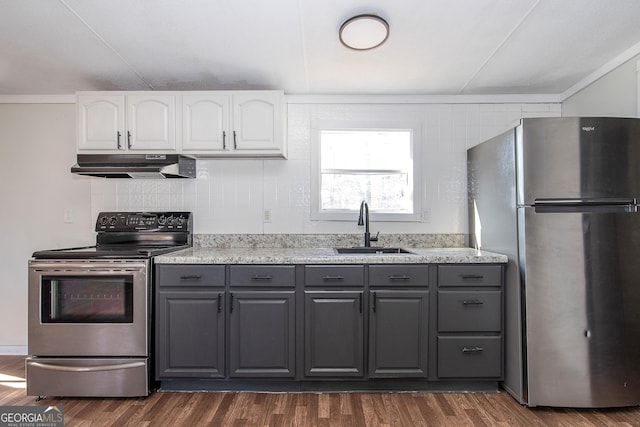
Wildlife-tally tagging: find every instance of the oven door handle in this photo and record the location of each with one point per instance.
(88, 368)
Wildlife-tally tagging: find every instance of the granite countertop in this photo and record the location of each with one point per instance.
(215, 255)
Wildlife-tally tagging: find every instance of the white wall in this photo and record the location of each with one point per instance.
(37, 149)
(229, 196)
(615, 94)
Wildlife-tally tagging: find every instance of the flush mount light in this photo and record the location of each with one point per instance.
(364, 32)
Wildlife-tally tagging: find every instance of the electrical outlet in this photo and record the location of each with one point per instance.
(68, 216)
(426, 215)
(266, 217)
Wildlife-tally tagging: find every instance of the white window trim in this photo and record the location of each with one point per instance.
(352, 215)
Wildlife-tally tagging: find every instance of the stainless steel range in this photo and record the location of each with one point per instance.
(90, 308)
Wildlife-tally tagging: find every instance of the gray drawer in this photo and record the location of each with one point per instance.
(334, 275)
(470, 357)
(478, 311)
(190, 275)
(469, 275)
(398, 275)
(262, 275)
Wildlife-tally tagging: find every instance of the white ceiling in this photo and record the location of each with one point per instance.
(436, 47)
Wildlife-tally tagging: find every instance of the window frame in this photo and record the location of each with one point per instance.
(352, 214)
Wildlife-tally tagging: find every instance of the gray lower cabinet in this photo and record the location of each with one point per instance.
(262, 321)
(470, 322)
(334, 334)
(398, 333)
(262, 334)
(190, 322)
(334, 321)
(383, 321)
(398, 321)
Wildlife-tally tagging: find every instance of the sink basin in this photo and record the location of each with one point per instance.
(360, 250)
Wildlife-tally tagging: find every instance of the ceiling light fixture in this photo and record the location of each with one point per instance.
(364, 32)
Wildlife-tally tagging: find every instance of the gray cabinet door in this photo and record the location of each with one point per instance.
(334, 334)
(262, 334)
(398, 333)
(190, 334)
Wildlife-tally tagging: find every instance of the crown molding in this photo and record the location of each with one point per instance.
(602, 71)
(37, 99)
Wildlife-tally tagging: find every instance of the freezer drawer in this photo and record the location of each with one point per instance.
(76, 377)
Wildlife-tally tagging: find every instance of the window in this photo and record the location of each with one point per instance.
(376, 164)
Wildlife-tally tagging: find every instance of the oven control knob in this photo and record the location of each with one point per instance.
(179, 220)
(162, 220)
(113, 220)
(104, 220)
(170, 220)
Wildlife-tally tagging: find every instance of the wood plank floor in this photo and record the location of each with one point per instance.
(307, 409)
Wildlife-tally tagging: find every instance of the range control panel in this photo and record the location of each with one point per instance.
(144, 221)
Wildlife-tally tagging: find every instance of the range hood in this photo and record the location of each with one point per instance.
(135, 166)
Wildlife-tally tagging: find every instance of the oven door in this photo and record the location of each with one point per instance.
(88, 308)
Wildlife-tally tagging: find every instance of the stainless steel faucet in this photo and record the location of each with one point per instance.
(363, 219)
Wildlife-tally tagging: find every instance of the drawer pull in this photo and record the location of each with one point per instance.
(219, 303)
(332, 278)
(472, 350)
(230, 303)
(471, 276)
(399, 278)
(191, 277)
(374, 301)
(261, 278)
(471, 302)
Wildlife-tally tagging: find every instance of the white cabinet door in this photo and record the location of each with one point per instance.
(151, 122)
(205, 122)
(257, 121)
(101, 122)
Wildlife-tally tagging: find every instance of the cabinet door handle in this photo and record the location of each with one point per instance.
(235, 143)
(129, 140)
(219, 303)
(224, 140)
(191, 277)
(373, 304)
(471, 302)
(399, 278)
(472, 350)
(471, 276)
(360, 301)
(118, 135)
(230, 303)
(261, 278)
(333, 278)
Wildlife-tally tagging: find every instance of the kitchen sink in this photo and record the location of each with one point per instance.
(361, 250)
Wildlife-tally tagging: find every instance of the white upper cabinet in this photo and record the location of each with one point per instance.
(234, 124)
(121, 122)
(151, 122)
(205, 122)
(248, 123)
(256, 119)
(100, 122)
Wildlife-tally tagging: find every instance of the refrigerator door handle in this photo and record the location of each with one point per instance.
(585, 201)
(585, 205)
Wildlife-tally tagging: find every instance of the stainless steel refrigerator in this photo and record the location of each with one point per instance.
(560, 197)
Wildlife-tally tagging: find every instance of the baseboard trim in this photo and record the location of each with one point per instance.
(18, 350)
